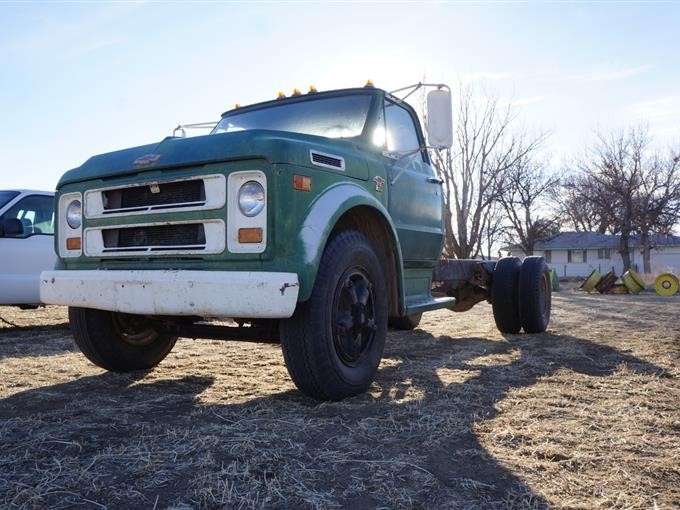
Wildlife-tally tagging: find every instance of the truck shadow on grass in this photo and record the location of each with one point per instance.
(147, 439)
(33, 341)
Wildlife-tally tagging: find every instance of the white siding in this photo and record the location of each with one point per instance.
(563, 268)
(663, 260)
(666, 260)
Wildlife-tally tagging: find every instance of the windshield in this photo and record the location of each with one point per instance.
(6, 196)
(332, 117)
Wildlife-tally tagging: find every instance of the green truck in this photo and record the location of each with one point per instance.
(313, 220)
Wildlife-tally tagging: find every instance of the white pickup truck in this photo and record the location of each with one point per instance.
(26, 244)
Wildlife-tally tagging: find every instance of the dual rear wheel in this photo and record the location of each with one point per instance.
(521, 294)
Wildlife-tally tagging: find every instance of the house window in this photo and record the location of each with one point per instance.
(577, 256)
(604, 253)
(548, 256)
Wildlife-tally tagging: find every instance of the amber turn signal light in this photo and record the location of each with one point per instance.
(73, 243)
(302, 182)
(249, 235)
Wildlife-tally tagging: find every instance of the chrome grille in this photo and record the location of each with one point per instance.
(186, 193)
(154, 238)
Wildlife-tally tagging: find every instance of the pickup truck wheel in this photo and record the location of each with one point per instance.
(405, 323)
(334, 341)
(505, 295)
(535, 295)
(118, 342)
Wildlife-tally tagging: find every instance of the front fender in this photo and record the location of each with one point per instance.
(317, 226)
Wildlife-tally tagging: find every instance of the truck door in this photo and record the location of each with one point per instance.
(415, 194)
(24, 255)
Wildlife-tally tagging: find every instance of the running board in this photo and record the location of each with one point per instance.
(426, 305)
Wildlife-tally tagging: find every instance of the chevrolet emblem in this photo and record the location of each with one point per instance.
(146, 159)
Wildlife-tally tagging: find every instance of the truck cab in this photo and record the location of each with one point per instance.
(26, 244)
(313, 219)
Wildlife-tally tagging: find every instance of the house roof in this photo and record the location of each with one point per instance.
(657, 240)
(578, 241)
(594, 240)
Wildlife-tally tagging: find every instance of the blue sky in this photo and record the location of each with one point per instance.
(77, 79)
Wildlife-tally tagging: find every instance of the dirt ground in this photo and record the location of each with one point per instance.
(584, 416)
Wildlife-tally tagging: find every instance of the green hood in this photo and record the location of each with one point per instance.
(273, 146)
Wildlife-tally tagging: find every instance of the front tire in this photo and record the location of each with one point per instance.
(118, 342)
(333, 343)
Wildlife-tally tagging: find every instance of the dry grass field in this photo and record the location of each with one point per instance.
(584, 416)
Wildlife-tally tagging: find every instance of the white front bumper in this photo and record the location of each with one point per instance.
(236, 294)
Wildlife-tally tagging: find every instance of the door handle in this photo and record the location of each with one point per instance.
(435, 180)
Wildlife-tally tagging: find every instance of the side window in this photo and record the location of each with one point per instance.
(36, 214)
(401, 133)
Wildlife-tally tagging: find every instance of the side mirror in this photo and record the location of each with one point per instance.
(439, 119)
(11, 227)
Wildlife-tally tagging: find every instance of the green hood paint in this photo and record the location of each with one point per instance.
(273, 146)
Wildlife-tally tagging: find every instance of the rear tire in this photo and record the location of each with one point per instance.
(505, 295)
(405, 323)
(118, 342)
(535, 295)
(334, 341)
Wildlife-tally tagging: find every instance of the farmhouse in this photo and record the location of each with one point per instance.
(578, 253)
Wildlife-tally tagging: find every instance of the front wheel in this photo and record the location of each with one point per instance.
(333, 343)
(118, 342)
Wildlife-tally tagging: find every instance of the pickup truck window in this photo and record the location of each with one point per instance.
(6, 196)
(401, 131)
(36, 213)
(332, 117)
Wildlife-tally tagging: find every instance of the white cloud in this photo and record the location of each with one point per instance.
(532, 99)
(488, 76)
(661, 113)
(613, 74)
(603, 73)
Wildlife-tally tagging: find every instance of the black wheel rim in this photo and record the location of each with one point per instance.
(134, 329)
(353, 322)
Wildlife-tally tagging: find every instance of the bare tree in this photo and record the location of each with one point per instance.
(627, 189)
(614, 167)
(484, 147)
(657, 202)
(493, 229)
(523, 192)
(576, 208)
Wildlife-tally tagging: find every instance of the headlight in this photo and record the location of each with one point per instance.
(251, 198)
(73, 214)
